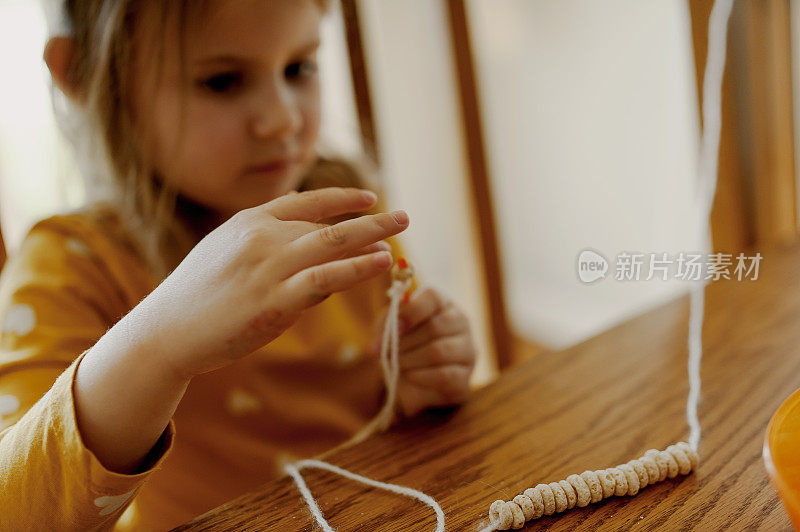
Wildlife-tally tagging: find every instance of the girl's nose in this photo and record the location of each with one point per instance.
(276, 114)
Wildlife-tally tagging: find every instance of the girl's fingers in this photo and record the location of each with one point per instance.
(449, 322)
(451, 383)
(315, 284)
(372, 248)
(423, 305)
(335, 241)
(413, 399)
(450, 350)
(314, 205)
(294, 230)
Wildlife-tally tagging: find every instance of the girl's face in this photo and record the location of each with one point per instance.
(232, 118)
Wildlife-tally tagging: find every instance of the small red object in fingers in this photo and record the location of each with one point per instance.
(402, 269)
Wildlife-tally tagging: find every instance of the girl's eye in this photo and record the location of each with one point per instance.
(301, 69)
(223, 83)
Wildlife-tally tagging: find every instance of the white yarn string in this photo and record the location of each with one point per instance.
(390, 363)
(708, 166)
(293, 470)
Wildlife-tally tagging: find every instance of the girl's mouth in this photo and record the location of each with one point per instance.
(273, 167)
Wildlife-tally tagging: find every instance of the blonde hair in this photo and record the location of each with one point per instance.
(153, 213)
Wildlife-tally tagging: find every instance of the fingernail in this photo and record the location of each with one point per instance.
(400, 217)
(369, 196)
(383, 259)
(384, 246)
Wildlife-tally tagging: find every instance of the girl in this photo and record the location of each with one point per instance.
(191, 310)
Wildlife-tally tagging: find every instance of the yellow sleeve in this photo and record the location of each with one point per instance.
(56, 300)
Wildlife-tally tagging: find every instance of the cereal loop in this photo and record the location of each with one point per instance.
(525, 503)
(596, 489)
(631, 477)
(560, 496)
(581, 490)
(569, 491)
(536, 499)
(548, 497)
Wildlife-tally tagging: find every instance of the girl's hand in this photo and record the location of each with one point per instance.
(252, 277)
(436, 355)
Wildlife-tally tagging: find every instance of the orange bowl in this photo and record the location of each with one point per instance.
(782, 455)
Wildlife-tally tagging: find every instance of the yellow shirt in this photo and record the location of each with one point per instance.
(74, 277)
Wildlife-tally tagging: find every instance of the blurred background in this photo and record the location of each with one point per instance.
(516, 133)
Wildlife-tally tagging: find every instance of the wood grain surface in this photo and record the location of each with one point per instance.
(592, 406)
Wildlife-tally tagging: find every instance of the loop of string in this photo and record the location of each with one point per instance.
(390, 364)
(294, 471)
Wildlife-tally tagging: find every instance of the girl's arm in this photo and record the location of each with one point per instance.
(125, 396)
(237, 290)
(58, 294)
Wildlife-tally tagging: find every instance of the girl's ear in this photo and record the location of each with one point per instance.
(58, 55)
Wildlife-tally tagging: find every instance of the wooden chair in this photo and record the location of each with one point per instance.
(503, 344)
(756, 203)
(2, 250)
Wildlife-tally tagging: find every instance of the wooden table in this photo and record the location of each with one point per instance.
(592, 406)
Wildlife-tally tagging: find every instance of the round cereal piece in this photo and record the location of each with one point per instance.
(620, 481)
(536, 499)
(653, 473)
(518, 517)
(548, 497)
(506, 517)
(595, 488)
(494, 509)
(560, 496)
(581, 490)
(684, 465)
(525, 503)
(607, 481)
(672, 465)
(663, 467)
(569, 491)
(500, 515)
(691, 454)
(631, 477)
(641, 472)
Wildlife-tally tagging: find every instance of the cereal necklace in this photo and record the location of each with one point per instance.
(681, 458)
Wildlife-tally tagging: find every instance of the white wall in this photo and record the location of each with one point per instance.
(415, 96)
(340, 131)
(38, 175)
(592, 131)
